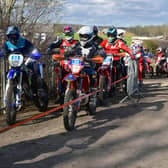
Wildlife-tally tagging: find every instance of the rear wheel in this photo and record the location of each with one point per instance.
(70, 111)
(144, 72)
(10, 103)
(92, 104)
(151, 71)
(41, 100)
(103, 92)
(157, 70)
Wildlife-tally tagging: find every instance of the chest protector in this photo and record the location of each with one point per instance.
(11, 47)
(65, 45)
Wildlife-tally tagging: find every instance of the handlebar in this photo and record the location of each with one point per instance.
(96, 59)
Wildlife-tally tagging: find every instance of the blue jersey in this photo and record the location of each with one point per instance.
(23, 46)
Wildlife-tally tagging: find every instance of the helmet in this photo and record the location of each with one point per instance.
(135, 48)
(68, 33)
(120, 32)
(159, 49)
(85, 35)
(13, 34)
(95, 30)
(112, 34)
(146, 49)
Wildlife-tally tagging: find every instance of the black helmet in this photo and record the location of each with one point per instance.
(112, 33)
(95, 30)
(13, 34)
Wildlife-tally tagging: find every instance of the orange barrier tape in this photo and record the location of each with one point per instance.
(50, 111)
(120, 80)
(57, 108)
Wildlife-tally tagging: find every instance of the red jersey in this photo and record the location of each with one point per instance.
(116, 48)
(66, 44)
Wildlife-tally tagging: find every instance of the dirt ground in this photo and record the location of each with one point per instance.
(118, 136)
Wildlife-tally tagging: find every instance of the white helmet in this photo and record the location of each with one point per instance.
(120, 32)
(159, 49)
(85, 35)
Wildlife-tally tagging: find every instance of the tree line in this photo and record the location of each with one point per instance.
(150, 31)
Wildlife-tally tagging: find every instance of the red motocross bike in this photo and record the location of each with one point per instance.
(77, 85)
(148, 69)
(61, 72)
(162, 66)
(105, 78)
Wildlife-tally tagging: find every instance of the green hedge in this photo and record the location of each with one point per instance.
(151, 44)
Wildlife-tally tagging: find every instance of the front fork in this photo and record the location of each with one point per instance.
(18, 90)
(77, 87)
(41, 70)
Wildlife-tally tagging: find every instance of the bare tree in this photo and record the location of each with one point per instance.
(6, 7)
(27, 13)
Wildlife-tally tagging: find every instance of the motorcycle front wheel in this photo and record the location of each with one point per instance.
(103, 93)
(70, 111)
(10, 103)
(92, 104)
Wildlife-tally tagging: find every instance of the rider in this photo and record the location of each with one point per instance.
(65, 47)
(66, 44)
(96, 38)
(88, 49)
(160, 55)
(16, 43)
(114, 45)
(142, 62)
(161, 59)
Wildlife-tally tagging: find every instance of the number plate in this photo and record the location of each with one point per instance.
(15, 60)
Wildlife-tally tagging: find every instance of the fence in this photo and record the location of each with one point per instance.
(132, 81)
(2, 79)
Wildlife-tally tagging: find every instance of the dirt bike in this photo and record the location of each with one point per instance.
(61, 70)
(105, 78)
(148, 69)
(19, 86)
(162, 66)
(120, 71)
(78, 84)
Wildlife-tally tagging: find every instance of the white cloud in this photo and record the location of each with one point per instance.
(123, 12)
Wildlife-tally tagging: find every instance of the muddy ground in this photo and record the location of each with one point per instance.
(118, 136)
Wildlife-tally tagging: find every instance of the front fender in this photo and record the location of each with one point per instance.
(70, 77)
(12, 74)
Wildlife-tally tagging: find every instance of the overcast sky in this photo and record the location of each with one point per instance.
(116, 12)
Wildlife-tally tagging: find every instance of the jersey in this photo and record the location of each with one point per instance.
(115, 48)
